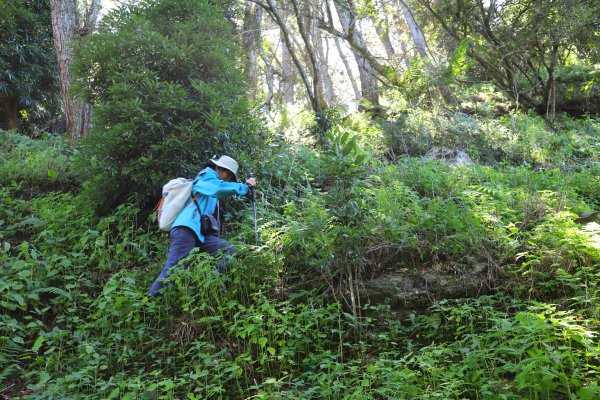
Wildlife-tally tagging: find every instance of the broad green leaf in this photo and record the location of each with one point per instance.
(52, 175)
(38, 343)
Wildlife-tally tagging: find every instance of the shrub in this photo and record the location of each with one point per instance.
(167, 93)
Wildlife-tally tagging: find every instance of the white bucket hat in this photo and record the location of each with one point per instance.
(228, 163)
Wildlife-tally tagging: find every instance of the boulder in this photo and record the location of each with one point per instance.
(449, 156)
(417, 290)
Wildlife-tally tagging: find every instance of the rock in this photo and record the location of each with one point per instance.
(416, 291)
(588, 217)
(449, 156)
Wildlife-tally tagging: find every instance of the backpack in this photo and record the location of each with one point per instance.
(175, 195)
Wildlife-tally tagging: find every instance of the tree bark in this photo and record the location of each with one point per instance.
(65, 27)
(384, 36)
(269, 76)
(317, 99)
(368, 83)
(347, 67)
(421, 48)
(11, 110)
(286, 33)
(325, 83)
(406, 56)
(416, 33)
(250, 42)
(287, 73)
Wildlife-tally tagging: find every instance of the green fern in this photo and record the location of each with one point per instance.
(54, 291)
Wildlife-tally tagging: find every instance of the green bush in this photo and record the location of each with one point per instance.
(167, 95)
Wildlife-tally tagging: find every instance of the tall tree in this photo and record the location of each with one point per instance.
(421, 49)
(251, 43)
(299, 51)
(167, 95)
(379, 18)
(288, 71)
(368, 83)
(321, 50)
(302, 12)
(415, 32)
(397, 23)
(383, 71)
(69, 23)
(270, 73)
(349, 72)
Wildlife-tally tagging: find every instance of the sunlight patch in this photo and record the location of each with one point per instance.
(593, 229)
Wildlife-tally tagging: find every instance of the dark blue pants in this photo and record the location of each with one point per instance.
(183, 240)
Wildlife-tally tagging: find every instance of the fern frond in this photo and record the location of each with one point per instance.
(54, 291)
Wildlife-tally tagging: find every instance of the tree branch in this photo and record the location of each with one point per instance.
(287, 37)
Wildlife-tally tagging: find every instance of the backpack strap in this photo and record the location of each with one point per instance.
(219, 216)
(159, 204)
(194, 198)
(196, 203)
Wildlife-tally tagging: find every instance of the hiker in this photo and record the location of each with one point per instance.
(195, 226)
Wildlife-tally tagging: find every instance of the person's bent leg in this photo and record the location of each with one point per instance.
(183, 240)
(214, 245)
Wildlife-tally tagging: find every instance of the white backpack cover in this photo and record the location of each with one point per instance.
(175, 195)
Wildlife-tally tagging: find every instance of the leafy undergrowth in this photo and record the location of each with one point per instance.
(75, 321)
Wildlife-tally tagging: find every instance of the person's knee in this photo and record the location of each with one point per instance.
(215, 245)
(228, 249)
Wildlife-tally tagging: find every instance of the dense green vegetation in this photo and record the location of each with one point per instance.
(76, 322)
(27, 65)
(352, 197)
(166, 97)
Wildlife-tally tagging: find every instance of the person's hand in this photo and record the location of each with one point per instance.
(251, 182)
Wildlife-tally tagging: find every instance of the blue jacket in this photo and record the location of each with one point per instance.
(210, 188)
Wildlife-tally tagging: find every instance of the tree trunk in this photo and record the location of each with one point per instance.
(250, 39)
(503, 74)
(286, 33)
(64, 28)
(10, 106)
(269, 75)
(347, 67)
(416, 34)
(406, 55)
(325, 83)
(368, 83)
(287, 73)
(318, 101)
(384, 37)
(421, 47)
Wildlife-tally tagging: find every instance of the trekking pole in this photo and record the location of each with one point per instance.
(253, 198)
